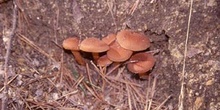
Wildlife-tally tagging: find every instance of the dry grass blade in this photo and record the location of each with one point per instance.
(160, 106)
(9, 82)
(110, 4)
(24, 100)
(78, 81)
(90, 81)
(40, 105)
(5, 92)
(104, 77)
(114, 68)
(68, 94)
(129, 97)
(103, 71)
(41, 77)
(117, 77)
(122, 81)
(92, 91)
(136, 91)
(134, 7)
(120, 72)
(67, 108)
(133, 94)
(147, 94)
(139, 96)
(61, 68)
(32, 44)
(134, 98)
(182, 90)
(152, 92)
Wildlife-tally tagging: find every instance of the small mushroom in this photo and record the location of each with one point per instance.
(132, 40)
(141, 63)
(109, 39)
(72, 44)
(103, 61)
(93, 45)
(118, 54)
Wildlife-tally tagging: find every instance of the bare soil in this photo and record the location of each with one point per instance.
(42, 75)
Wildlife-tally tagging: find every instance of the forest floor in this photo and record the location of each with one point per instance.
(39, 74)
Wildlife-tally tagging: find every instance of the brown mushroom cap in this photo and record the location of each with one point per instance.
(143, 62)
(109, 39)
(71, 43)
(94, 45)
(131, 40)
(118, 54)
(103, 61)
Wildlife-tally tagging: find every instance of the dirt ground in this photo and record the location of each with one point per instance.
(41, 75)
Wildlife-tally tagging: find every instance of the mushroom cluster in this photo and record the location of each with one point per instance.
(125, 46)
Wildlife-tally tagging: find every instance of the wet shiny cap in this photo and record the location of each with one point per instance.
(93, 44)
(132, 40)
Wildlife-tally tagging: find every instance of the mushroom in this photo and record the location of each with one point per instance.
(141, 63)
(131, 40)
(93, 45)
(109, 39)
(72, 44)
(118, 54)
(103, 61)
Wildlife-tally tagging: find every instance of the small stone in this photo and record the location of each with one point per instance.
(55, 96)
(198, 103)
(209, 82)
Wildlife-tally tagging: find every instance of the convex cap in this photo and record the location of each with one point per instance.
(93, 44)
(71, 43)
(143, 62)
(132, 40)
(109, 39)
(104, 61)
(118, 54)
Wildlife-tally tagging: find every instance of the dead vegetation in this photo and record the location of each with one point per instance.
(56, 87)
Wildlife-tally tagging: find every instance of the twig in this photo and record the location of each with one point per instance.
(9, 82)
(148, 92)
(92, 91)
(181, 96)
(114, 68)
(110, 8)
(134, 98)
(152, 92)
(134, 7)
(67, 94)
(56, 23)
(5, 92)
(78, 81)
(160, 106)
(90, 81)
(129, 97)
(123, 81)
(61, 70)
(104, 76)
(31, 43)
(138, 93)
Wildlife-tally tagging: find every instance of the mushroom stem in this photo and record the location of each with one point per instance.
(143, 75)
(95, 57)
(78, 57)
